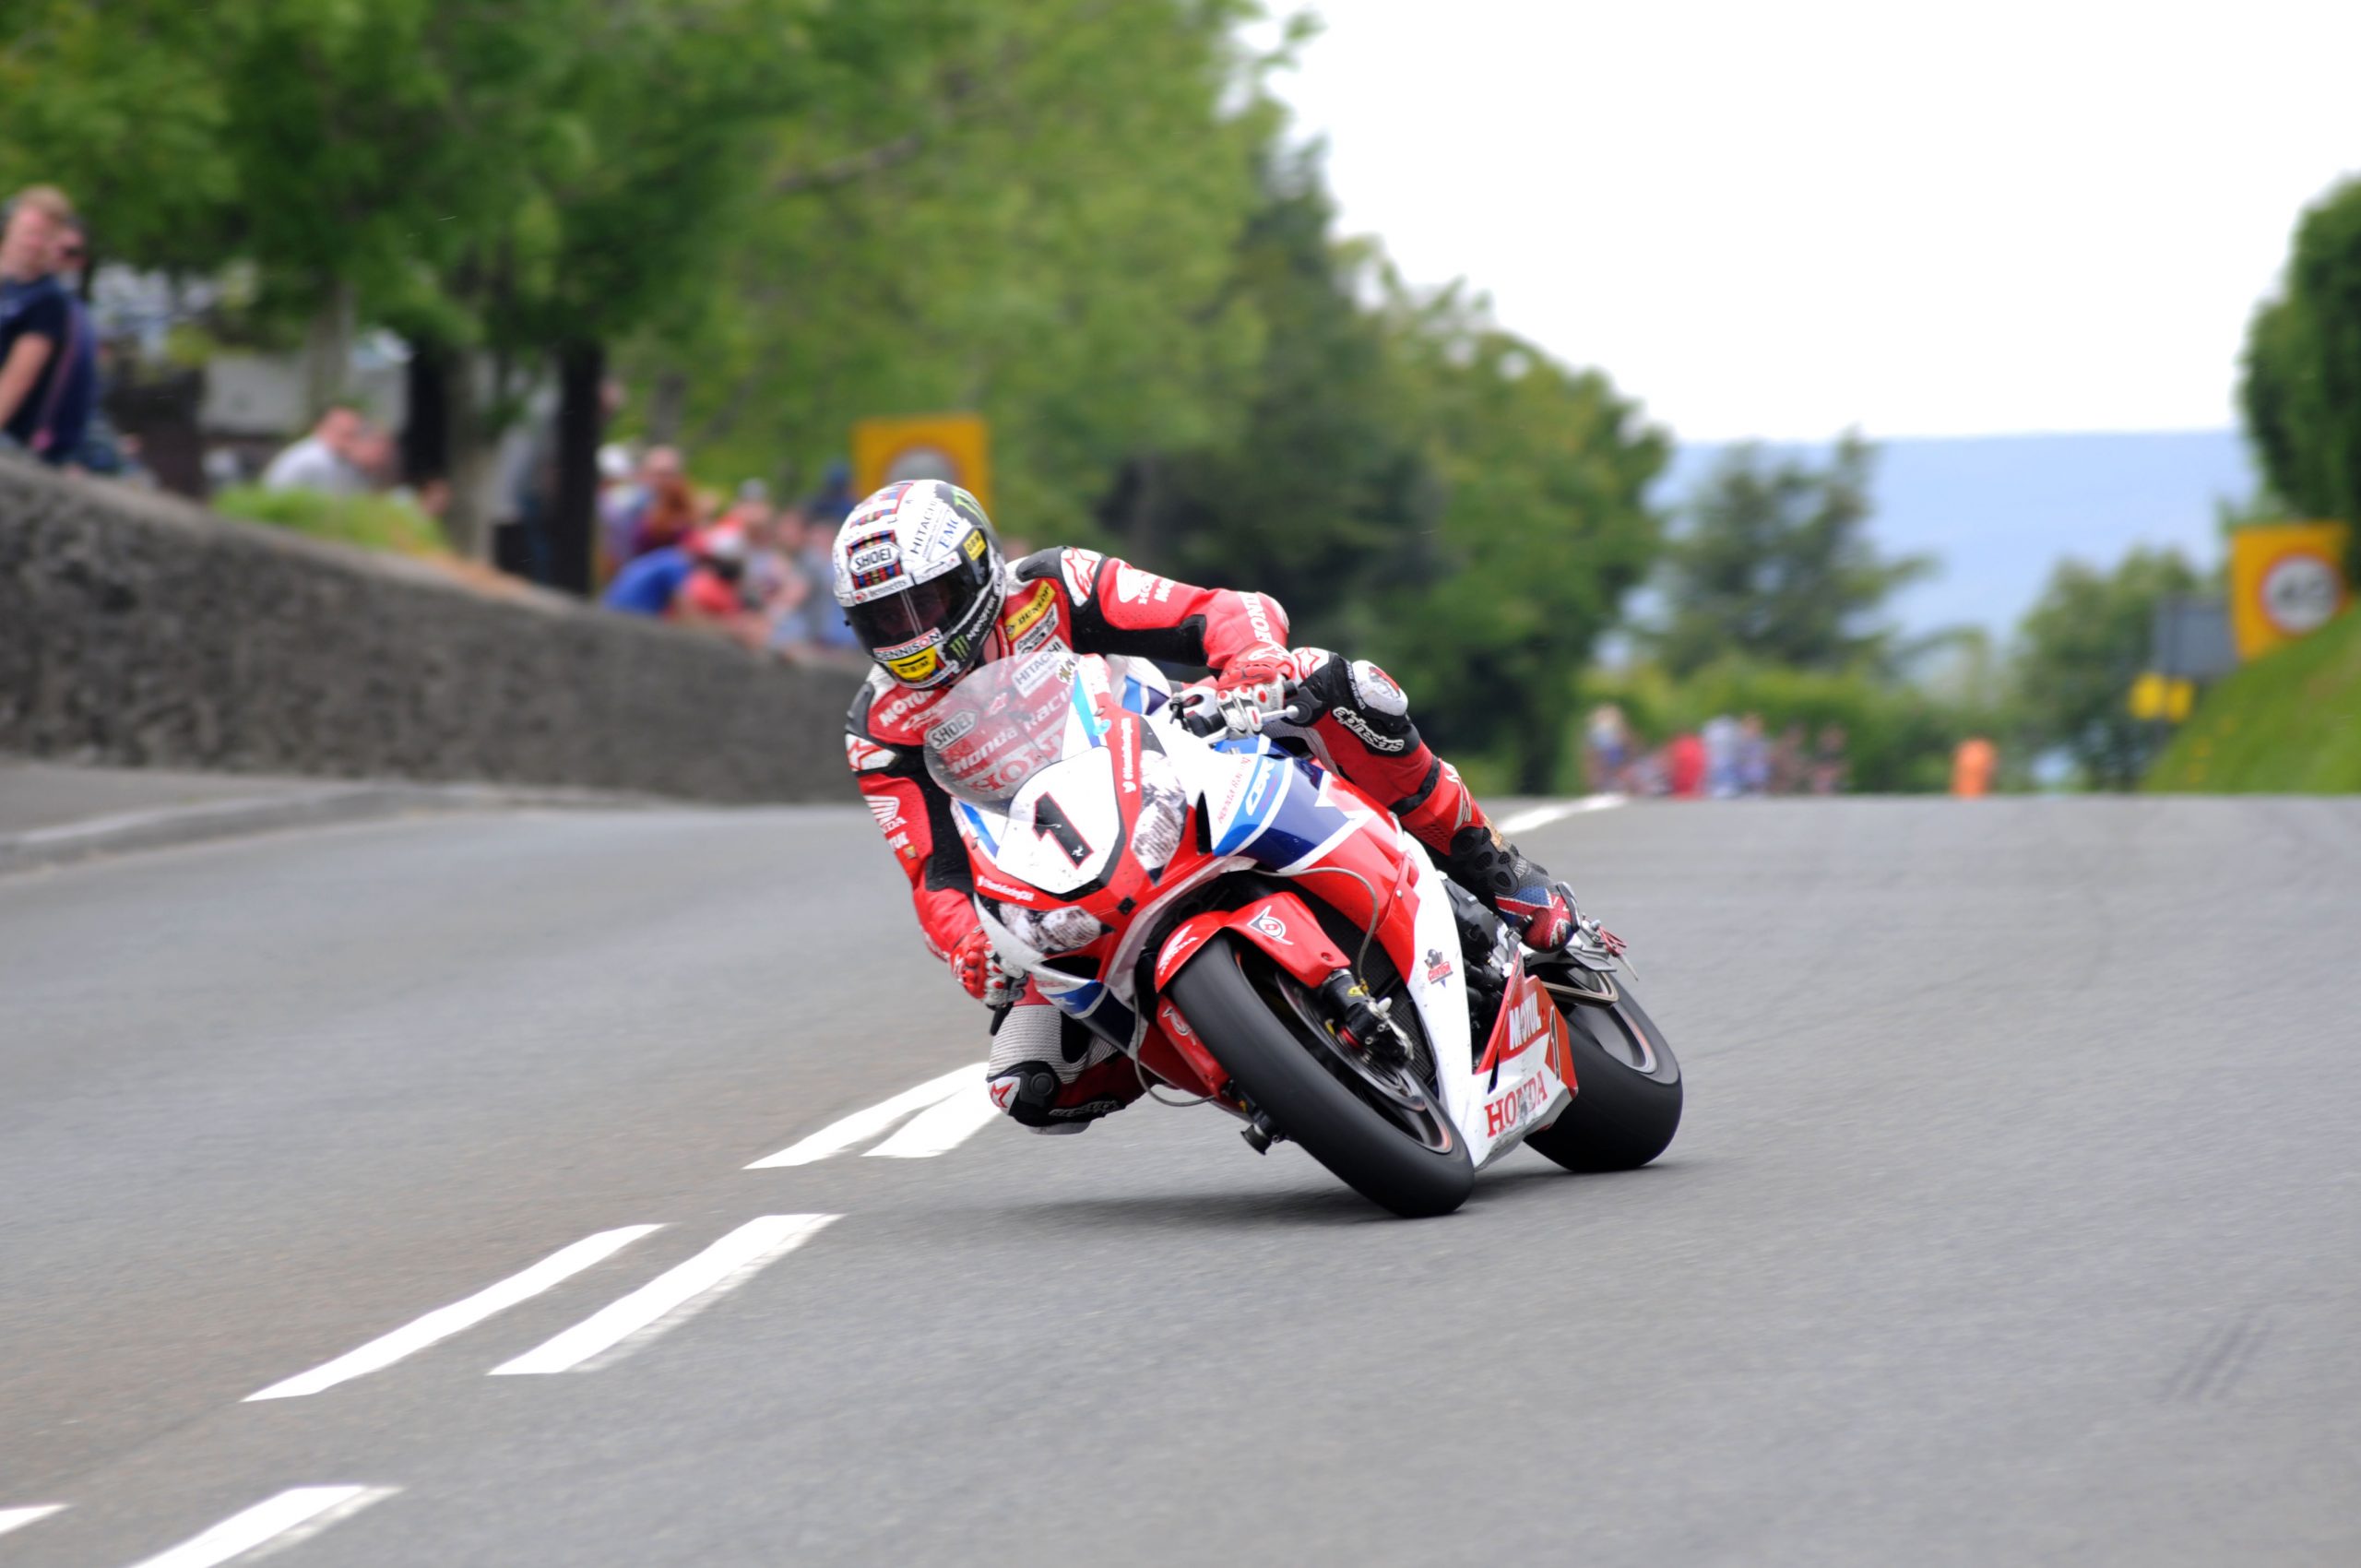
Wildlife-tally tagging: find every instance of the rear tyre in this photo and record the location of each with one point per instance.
(1288, 1082)
(1626, 1100)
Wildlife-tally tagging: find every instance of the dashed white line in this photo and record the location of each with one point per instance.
(1541, 816)
(945, 1124)
(281, 1520)
(840, 1135)
(671, 1298)
(18, 1519)
(445, 1322)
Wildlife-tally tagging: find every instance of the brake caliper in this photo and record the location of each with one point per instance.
(1360, 1023)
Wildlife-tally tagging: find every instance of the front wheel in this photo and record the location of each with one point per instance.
(1627, 1084)
(1375, 1144)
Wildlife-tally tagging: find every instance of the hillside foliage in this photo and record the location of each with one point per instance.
(2301, 390)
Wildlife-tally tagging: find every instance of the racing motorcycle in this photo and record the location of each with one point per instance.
(1260, 936)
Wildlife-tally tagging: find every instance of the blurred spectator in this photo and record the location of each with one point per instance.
(626, 505)
(1606, 742)
(1829, 767)
(833, 502)
(822, 516)
(329, 459)
(1754, 764)
(371, 454)
(615, 486)
(754, 497)
(48, 379)
(777, 585)
(1720, 756)
(1790, 769)
(671, 515)
(1684, 766)
(697, 583)
(1972, 766)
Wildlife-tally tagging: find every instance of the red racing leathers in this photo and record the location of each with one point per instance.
(1098, 604)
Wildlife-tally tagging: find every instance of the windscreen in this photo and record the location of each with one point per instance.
(1002, 725)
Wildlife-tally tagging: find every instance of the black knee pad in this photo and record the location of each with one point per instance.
(1364, 700)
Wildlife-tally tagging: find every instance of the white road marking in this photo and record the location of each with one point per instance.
(282, 1520)
(945, 1124)
(840, 1135)
(1541, 816)
(444, 1322)
(672, 1297)
(18, 1519)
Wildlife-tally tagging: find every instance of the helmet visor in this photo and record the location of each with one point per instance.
(906, 631)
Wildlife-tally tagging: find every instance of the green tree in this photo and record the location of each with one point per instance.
(1775, 565)
(2080, 647)
(1035, 220)
(123, 105)
(1322, 493)
(2301, 390)
(1544, 528)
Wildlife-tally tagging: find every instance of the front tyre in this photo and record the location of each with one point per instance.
(1287, 1080)
(1626, 1100)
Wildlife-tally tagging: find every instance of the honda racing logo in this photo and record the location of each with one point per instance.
(1510, 1111)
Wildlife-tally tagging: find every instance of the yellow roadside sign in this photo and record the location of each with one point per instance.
(2161, 697)
(957, 447)
(2286, 580)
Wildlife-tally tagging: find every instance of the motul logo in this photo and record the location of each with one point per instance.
(1524, 1018)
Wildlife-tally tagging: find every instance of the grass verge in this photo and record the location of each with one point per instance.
(2288, 723)
(372, 522)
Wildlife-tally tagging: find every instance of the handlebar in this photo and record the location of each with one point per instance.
(1234, 713)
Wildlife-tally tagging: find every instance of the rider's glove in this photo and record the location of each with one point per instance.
(1258, 672)
(979, 969)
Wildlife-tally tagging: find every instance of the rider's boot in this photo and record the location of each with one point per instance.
(1476, 855)
(1364, 723)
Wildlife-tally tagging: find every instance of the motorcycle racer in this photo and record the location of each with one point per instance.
(925, 587)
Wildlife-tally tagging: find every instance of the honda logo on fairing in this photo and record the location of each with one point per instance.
(1511, 1110)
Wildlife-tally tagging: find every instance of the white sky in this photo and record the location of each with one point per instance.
(1779, 220)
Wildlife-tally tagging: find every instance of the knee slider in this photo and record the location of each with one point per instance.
(1026, 1093)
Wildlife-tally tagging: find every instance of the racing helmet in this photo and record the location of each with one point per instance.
(918, 571)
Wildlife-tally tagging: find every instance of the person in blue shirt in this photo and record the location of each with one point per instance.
(648, 583)
(47, 380)
(697, 583)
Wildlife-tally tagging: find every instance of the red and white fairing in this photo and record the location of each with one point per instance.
(1087, 808)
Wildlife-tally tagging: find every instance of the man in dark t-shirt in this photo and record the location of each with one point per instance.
(46, 387)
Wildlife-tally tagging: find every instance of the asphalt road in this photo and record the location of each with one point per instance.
(2015, 1219)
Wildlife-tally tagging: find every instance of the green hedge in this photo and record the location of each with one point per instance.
(372, 522)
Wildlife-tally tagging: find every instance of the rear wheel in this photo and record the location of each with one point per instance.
(1626, 1100)
(1377, 1128)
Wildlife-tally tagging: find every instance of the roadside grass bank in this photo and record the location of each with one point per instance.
(372, 522)
(2289, 723)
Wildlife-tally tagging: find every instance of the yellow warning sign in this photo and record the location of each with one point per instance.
(2162, 696)
(957, 447)
(2286, 580)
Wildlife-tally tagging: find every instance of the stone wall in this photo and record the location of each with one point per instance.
(137, 630)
